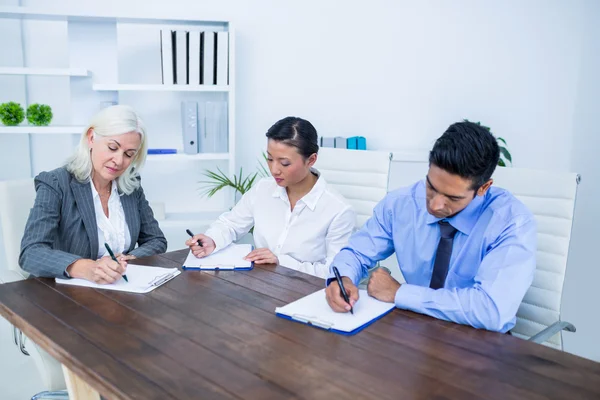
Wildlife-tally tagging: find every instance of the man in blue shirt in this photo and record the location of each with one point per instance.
(466, 249)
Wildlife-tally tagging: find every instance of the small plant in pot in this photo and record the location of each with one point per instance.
(39, 114)
(11, 113)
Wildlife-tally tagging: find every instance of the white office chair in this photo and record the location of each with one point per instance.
(16, 200)
(406, 169)
(361, 176)
(551, 198)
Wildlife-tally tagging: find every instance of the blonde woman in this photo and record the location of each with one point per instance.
(96, 198)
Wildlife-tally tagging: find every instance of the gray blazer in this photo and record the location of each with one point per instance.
(62, 225)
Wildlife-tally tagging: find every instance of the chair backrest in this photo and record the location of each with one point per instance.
(550, 196)
(361, 176)
(16, 200)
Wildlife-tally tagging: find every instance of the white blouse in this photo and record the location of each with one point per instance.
(305, 239)
(114, 229)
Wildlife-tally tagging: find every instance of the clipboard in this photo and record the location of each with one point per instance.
(230, 258)
(313, 310)
(142, 279)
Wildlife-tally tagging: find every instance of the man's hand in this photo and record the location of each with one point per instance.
(262, 256)
(382, 286)
(208, 245)
(334, 295)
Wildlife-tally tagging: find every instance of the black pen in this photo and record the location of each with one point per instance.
(342, 288)
(112, 255)
(192, 235)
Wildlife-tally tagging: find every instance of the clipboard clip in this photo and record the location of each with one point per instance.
(159, 280)
(224, 267)
(312, 320)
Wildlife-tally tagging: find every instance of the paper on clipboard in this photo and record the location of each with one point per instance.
(229, 258)
(142, 279)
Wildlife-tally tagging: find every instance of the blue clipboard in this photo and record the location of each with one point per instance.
(327, 327)
(219, 266)
(314, 311)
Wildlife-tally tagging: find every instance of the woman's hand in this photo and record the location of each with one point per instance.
(208, 245)
(124, 257)
(103, 271)
(262, 256)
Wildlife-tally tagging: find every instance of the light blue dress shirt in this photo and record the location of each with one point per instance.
(492, 263)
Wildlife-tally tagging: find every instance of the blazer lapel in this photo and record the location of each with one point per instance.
(82, 193)
(132, 218)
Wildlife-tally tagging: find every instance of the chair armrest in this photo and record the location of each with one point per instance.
(552, 330)
(9, 275)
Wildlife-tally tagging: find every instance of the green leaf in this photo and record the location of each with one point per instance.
(216, 181)
(506, 153)
(502, 140)
(501, 162)
(262, 170)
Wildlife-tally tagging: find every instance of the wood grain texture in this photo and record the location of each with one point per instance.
(215, 335)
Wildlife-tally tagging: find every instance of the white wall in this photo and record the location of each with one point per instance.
(581, 294)
(399, 72)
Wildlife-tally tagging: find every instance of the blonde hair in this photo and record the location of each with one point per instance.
(111, 121)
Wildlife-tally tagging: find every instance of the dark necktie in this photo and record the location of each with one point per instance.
(442, 256)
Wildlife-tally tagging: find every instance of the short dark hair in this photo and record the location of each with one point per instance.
(468, 150)
(296, 132)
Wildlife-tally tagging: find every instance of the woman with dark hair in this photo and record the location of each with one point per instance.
(299, 222)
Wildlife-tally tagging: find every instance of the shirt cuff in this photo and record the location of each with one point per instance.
(344, 271)
(216, 236)
(410, 297)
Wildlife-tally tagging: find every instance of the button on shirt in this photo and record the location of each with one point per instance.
(305, 239)
(114, 229)
(491, 267)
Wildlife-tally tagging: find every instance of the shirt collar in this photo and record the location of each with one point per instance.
(312, 197)
(113, 189)
(464, 220)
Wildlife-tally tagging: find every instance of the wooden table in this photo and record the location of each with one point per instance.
(213, 335)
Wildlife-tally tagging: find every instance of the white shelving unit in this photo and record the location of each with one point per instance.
(97, 15)
(42, 130)
(180, 156)
(115, 87)
(44, 71)
(104, 64)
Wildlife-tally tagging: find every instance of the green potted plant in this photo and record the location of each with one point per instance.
(217, 180)
(505, 156)
(11, 113)
(39, 114)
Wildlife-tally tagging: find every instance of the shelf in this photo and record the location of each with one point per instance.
(189, 157)
(159, 88)
(81, 15)
(42, 130)
(44, 71)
